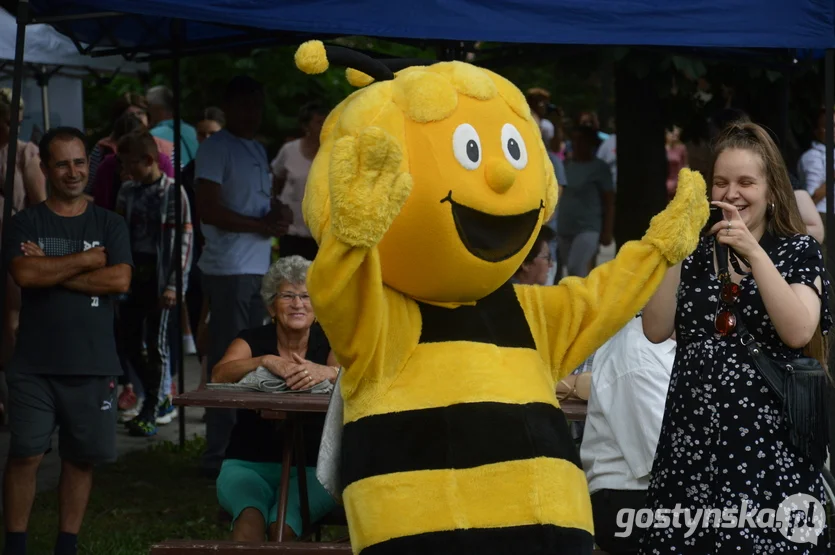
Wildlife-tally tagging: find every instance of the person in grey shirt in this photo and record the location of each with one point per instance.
(586, 206)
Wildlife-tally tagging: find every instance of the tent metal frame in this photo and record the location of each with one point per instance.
(24, 19)
(179, 47)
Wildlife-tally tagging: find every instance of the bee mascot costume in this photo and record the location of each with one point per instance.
(426, 195)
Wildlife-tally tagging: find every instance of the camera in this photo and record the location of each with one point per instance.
(716, 216)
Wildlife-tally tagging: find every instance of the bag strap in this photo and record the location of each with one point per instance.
(773, 377)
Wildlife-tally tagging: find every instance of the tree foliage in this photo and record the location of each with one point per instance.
(691, 83)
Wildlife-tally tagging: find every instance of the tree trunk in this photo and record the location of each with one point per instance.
(641, 155)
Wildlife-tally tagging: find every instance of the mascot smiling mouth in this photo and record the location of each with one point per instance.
(492, 238)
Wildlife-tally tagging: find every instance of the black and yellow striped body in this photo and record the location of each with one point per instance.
(466, 451)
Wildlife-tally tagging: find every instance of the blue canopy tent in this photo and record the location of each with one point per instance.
(174, 28)
(703, 23)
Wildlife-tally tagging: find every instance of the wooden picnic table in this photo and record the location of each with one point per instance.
(574, 409)
(289, 407)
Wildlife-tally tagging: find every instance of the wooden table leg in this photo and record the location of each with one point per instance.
(284, 486)
(302, 471)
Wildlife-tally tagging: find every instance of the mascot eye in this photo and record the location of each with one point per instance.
(514, 147)
(467, 146)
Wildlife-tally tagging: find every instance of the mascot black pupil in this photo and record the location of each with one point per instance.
(472, 150)
(513, 149)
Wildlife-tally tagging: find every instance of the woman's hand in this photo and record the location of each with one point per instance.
(733, 232)
(308, 374)
(278, 366)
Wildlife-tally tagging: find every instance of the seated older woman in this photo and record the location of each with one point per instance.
(295, 348)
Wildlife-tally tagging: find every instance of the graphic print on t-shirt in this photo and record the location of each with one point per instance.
(58, 246)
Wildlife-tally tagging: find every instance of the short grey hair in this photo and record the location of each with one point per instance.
(291, 269)
(161, 96)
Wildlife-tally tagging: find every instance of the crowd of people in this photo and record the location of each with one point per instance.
(108, 230)
(677, 415)
(585, 163)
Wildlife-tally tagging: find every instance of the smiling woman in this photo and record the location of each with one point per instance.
(718, 399)
(294, 348)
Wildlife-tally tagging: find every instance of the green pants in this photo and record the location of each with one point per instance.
(244, 484)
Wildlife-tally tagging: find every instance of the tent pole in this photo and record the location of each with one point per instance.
(829, 100)
(11, 160)
(176, 32)
(44, 82)
(829, 224)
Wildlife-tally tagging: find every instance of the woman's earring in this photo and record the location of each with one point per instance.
(769, 210)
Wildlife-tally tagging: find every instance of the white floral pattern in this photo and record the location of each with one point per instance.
(722, 438)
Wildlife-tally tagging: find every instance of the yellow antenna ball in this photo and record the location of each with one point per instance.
(357, 78)
(311, 57)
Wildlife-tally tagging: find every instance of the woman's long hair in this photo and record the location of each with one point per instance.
(784, 220)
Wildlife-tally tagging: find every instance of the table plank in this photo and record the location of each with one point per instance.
(574, 410)
(196, 547)
(254, 400)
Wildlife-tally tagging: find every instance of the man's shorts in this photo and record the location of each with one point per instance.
(83, 408)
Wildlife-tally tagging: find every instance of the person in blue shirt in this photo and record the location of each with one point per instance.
(239, 218)
(161, 115)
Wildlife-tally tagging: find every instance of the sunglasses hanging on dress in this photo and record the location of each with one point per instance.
(725, 320)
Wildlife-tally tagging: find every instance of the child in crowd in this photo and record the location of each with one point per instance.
(148, 204)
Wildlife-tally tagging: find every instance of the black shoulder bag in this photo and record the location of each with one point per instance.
(800, 385)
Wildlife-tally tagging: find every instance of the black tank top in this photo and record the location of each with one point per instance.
(258, 440)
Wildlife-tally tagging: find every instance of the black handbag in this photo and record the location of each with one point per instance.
(800, 386)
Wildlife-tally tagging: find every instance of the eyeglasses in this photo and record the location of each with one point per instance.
(289, 297)
(547, 258)
(725, 321)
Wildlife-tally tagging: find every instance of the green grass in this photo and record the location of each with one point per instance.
(145, 497)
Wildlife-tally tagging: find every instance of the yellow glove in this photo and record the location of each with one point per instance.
(675, 231)
(367, 186)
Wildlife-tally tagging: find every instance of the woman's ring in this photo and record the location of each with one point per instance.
(729, 226)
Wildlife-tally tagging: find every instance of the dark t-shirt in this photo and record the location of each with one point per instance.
(62, 331)
(259, 440)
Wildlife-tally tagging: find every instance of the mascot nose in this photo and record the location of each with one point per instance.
(500, 175)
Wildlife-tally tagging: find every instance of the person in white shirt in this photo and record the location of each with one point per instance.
(630, 378)
(811, 168)
(608, 153)
(290, 168)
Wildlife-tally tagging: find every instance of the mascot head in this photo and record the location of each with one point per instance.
(482, 180)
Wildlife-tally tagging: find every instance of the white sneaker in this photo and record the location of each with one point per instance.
(131, 413)
(189, 347)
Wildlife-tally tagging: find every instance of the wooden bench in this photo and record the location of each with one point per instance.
(198, 547)
(191, 547)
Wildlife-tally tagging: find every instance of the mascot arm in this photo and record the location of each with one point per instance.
(572, 319)
(361, 317)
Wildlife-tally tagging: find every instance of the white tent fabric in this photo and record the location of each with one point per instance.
(46, 46)
(51, 53)
(65, 96)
